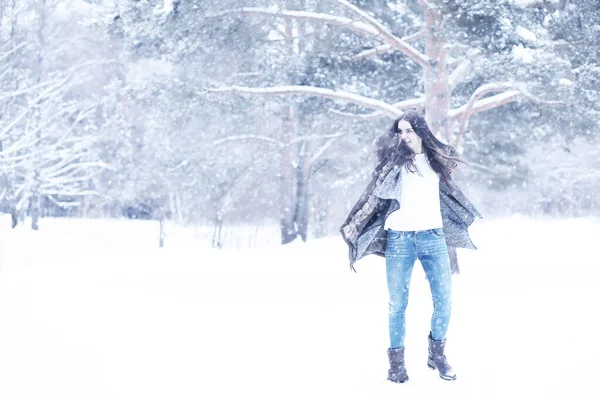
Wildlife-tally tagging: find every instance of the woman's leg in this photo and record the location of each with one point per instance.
(433, 254)
(400, 257)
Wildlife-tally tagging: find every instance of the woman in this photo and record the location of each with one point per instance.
(412, 210)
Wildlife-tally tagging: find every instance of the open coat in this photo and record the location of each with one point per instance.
(363, 230)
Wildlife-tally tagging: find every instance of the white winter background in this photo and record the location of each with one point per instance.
(93, 309)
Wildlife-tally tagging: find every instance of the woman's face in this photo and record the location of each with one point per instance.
(408, 135)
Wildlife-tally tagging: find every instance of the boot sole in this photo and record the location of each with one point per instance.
(399, 381)
(446, 378)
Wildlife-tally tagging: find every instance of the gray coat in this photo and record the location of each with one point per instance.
(363, 230)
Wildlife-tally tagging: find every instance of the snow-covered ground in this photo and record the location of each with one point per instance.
(94, 310)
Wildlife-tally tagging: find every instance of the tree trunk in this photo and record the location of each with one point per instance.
(288, 228)
(302, 182)
(320, 206)
(178, 207)
(175, 206)
(216, 240)
(14, 214)
(437, 87)
(161, 240)
(22, 214)
(84, 207)
(288, 202)
(34, 211)
(437, 90)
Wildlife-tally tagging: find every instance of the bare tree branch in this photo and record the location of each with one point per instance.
(353, 25)
(346, 97)
(384, 48)
(402, 105)
(11, 51)
(60, 181)
(73, 167)
(63, 204)
(463, 68)
(267, 139)
(474, 106)
(68, 192)
(316, 137)
(469, 108)
(425, 4)
(16, 161)
(32, 139)
(415, 36)
(317, 154)
(545, 4)
(371, 29)
(384, 34)
(454, 62)
(459, 73)
(537, 100)
(26, 90)
(299, 139)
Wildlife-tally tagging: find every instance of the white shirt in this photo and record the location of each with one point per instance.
(420, 202)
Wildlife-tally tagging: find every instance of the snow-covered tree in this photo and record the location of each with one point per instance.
(443, 66)
(45, 143)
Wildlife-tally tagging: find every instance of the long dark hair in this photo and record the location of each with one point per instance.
(442, 157)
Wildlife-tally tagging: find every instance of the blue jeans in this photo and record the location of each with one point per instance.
(403, 249)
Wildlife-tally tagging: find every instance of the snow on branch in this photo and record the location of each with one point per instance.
(25, 90)
(346, 97)
(384, 48)
(317, 154)
(492, 102)
(63, 204)
(316, 137)
(402, 105)
(560, 5)
(22, 144)
(475, 104)
(353, 25)
(415, 36)
(276, 142)
(41, 131)
(54, 88)
(511, 93)
(15, 161)
(373, 30)
(61, 181)
(69, 192)
(11, 51)
(537, 100)
(459, 73)
(425, 4)
(247, 137)
(19, 117)
(383, 34)
(462, 69)
(75, 167)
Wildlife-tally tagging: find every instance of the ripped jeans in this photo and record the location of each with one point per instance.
(403, 249)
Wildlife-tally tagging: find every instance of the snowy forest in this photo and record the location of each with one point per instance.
(264, 112)
(174, 175)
